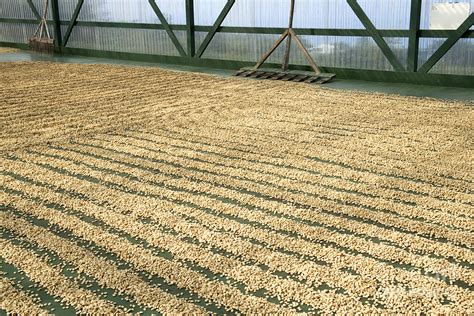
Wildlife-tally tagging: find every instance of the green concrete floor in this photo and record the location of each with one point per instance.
(447, 93)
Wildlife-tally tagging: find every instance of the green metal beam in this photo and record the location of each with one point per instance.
(446, 46)
(215, 27)
(414, 39)
(72, 22)
(253, 30)
(14, 45)
(57, 23)
(190, 28)
(342, 73)
(444, 33)
(167, 27)
(18, 21)
(376, 35)
(33, 8)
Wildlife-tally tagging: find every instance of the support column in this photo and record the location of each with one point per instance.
(414, 39)
(286, 57)
(190, 29)
(58, 42)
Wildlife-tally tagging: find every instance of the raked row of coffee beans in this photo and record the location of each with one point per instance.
(144, 190)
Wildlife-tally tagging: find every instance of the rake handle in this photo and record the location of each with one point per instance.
(292, 14)
(43, 27)
(286, 57)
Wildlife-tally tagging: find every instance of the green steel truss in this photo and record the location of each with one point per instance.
(412, 73)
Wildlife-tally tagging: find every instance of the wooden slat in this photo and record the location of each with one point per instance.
(257, 74)
(285, 76)
(311, 79)
(278, 76)
(300, 78)
(247, 73)
(288, 77)
(267, 75)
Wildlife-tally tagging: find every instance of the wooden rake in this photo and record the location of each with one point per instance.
(299, 76)
(41, 41)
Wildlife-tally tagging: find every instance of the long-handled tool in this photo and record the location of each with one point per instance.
(285, 74)
(41, 41)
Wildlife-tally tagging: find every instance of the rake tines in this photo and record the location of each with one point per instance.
(307, 77)
(44, 46)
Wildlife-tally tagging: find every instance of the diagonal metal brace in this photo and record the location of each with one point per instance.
(374, 33)
(215, 27)
(33, 8)
(72, 22)
(446, 46)
(167, 27)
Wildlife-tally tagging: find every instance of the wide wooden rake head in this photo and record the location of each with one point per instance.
(285, 74)
(41, 41)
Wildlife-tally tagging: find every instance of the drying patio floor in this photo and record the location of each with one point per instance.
(133, 189)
